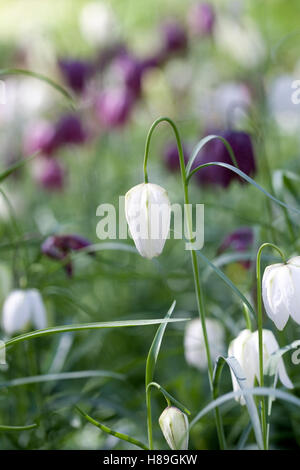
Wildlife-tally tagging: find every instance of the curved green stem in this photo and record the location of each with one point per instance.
(260, 334)
(169, 399)
(119, 435)
(198, 291)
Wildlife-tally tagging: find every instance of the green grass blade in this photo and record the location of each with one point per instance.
(86, 326)
(155, 346)
(201, 144)
(246, 178)
(84, 374)
(16, 166)
(257, 391)
(241, 379)
(18, 428)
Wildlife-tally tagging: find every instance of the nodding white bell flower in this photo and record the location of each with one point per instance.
(22, 308)
(245, 348)
(174, 425)
(148, 214)
(194, 346)
(281, 291)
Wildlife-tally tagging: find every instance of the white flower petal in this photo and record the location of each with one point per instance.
(15, 312)
(37, 309)
(148, 214)
(277, 289)
(295, 298)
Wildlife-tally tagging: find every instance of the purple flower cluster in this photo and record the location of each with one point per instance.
(108, 87)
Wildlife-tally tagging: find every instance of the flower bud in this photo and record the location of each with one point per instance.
(174, 425)
(280, 292)
(148, 214)
(21, 309)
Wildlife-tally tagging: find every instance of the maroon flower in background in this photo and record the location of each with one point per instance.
(49, 173)
(174, 37)
(131, 70)
(47, 137)
(69, 130)
(171, 156)
(76, 73)
(60, 246)
(215, 151)
(113, 107)
(39, 136)
(201, 19)
(240, 240)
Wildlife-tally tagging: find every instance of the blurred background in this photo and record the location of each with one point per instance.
(225, 67)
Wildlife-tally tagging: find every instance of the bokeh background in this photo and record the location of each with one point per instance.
(227, 66)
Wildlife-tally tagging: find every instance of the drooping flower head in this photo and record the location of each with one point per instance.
(39, 136)
(130, 69)
(69, 130)
(23, 308)
(194, 345)
(174, 38)
(60, 246)
(76, 73)
(174, 425)
(113, 107)
(49, 173)
(281, 293)
(148, 213)
(245, 348)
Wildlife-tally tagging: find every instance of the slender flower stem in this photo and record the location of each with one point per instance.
(149, 418)
(199, 297)
(260, 336)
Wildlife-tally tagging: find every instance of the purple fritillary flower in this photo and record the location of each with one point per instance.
(68, 130)
(39, 136)
(131, 69)
(240, 240)
(201, 19)
(108, 54)
(171, 156)
(49, 173)
(113, 107)
(215, 151)
(151, 62)
(58, 247)
(76, 73)
(174, 37)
